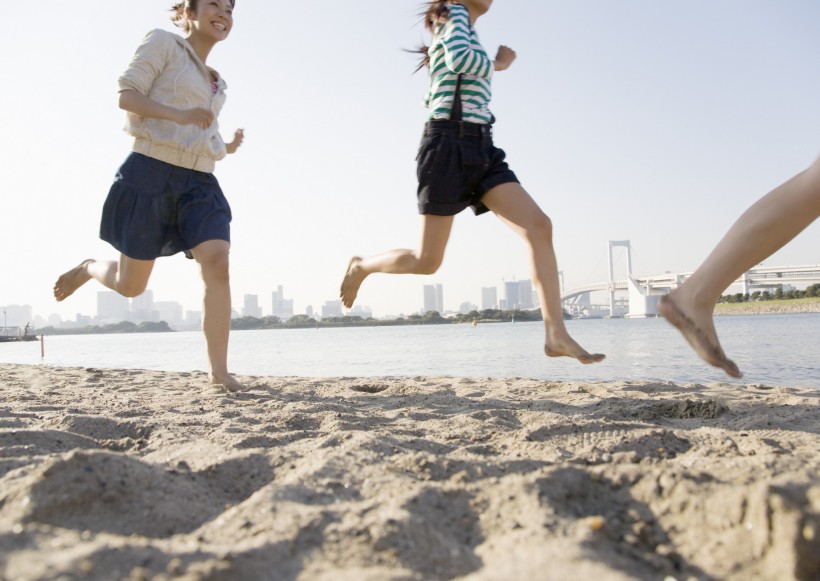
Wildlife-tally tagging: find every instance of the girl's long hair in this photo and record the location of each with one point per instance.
(178, 13)
(434, 12)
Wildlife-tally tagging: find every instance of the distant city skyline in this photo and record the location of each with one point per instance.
(638, 297)
(113, 307)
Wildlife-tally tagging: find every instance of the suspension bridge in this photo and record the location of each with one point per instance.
(643, 293)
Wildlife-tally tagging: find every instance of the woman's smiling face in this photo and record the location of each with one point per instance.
(212, 18)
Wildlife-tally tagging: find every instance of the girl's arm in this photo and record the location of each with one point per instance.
(459, 54)
(238, 137)
(135, 102)
(504, 58)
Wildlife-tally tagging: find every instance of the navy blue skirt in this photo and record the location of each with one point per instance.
(157, 209)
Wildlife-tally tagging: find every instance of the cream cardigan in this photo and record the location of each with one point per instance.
(166, 69)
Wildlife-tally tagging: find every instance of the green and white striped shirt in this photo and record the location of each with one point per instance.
(455, 50)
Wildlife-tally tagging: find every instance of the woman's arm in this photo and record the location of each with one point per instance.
(238, 137)
(135, 102)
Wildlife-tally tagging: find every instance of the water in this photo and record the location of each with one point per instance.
(771, 349)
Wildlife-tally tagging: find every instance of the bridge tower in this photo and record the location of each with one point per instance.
(613, 244)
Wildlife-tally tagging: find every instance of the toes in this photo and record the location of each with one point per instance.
(731, 368)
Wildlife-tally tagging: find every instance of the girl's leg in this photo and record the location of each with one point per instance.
(517, 209)
(435, 233)
(129, 277)
(764, 228)
(212, 257)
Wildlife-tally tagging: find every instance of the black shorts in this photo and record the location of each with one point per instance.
(457, 164)
(157, 209)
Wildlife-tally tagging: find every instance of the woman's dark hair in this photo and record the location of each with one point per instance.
(178, 13)
(434, 12)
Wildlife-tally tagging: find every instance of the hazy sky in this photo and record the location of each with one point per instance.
(657, 122)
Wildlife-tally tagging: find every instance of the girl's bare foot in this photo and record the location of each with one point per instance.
(562, 345)
(352, 281)
(72, 280)
(699, 332)
(227, 382)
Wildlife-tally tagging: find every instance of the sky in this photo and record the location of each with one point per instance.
(654, 122)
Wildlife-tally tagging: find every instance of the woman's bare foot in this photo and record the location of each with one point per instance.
(560, 344)
(72, 280)
(227, 382)
(352, 281)
(699, 331)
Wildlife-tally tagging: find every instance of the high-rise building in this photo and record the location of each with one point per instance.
(251, 307)
(467, 307)
(429, 298)
(332, 309)
(142, 308)
(489, 297)
(143, 302)
(193, 319)
(511, 295)
(362, 311)
(170, 312)
(525, 294)
(434, 298)
(112, 306)
(280, 306)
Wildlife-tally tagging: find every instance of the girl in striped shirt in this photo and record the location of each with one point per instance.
(459, 166)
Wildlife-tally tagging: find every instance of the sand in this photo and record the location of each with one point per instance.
(130, 474)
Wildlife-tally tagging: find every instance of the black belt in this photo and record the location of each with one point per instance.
(460, 128)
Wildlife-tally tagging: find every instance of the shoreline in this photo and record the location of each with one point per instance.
(791, 306)
(143, 474)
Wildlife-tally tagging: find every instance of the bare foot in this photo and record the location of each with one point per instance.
(702, 338)
(351, 282)
(72, 280)
(566, 347)
(227, 383)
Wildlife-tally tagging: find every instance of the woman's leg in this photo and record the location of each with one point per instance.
(129, 277)
(764, 228)
(212, 257)
(435, 233)
(517, 209)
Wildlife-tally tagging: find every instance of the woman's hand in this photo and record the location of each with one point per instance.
(238, 138)
(197, 116)
(139, 104)
(504, 58)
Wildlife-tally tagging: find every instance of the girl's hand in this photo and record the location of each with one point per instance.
(504, 58)
(196, 116)
(238, 138)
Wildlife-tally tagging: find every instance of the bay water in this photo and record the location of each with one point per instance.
(781, 350)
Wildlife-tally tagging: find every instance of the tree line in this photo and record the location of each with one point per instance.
(778, 294)
(428, 318)
(121, 327)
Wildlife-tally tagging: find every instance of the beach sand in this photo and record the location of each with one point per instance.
(130, 474)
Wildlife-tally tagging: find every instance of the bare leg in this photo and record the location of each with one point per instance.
(764, 228)
(212, 257)
(435, 233)
(519, 211)
(129, 277)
